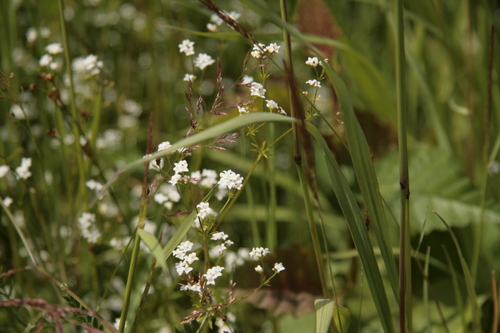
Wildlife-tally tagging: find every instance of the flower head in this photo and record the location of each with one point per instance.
(312, 61)
(230, 180)
(203, 60)
(278, 267)
(257, 89)
(54, 48)
(314, 83)
(186, 47)
(213, 273)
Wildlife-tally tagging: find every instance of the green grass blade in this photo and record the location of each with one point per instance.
(355, 222)
(469, 282)
(155, 247)
(210, 133)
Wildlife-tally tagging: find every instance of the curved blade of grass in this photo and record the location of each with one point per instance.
(341, 317)
(358, 148)
(155, 247)
(210, 133)
(356, 224)
(469, 282)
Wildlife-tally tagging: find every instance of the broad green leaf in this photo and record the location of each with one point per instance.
(155, 247)
(355, 222)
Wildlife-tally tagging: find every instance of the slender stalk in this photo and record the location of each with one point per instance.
(76, 132)
(405, 314)
(494, 293)
(137, 239)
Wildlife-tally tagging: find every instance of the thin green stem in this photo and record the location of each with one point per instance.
(76, 132)
(405, 313)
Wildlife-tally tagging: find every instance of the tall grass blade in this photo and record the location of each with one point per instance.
(469, 282)
(355, 222)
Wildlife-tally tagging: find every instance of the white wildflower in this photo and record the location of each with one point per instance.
(175, 179)
(259, 252)
(189, 78)
(45, 60)
(204, 210)
(164, 145)
(203, 60)
(212, 27)
(219, 236)
(94, 185)
(242, 110)
(196, 287)
(181, 166)
(271, 104)
(278, 267)
(183, 267)
(4, 169)
(273, 48)
(7, 201)
(259, 269)
(87, 66)
(312, 61)
(314, 83)
(213, 273)
(257, 89)
(246, 80)
(54, 48)
(230, 180)
(23, 171)
(258, 50)
(186, 47)
(208, 178)
(31, 35)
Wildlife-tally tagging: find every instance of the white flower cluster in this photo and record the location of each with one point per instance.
(206, 178)
(179, 168)
(259, 253)
(257, 89)
(88, 66)
(48, 60)
(213, 273)
(4, 169)
(228, 181)
(204, 210)
(186, 47)
(203, 60)
(23, 171)
(314, 83)
(216, 21)
(88, 228)
(32, 34)
(221, 248)
(261, 50)
(167, 195)
(272, 105)
(181, 252)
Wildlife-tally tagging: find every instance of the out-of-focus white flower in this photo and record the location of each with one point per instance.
(246, 80)
(242, 110)
(23, 171)
(54, 48)
(186, 47)
(4, 169)
(189, 77)
(259, 269)
(45, 60)
(203, 60)
(88, 228)
(164, 145)
(31, 35)
(7, 201)
(87, 66)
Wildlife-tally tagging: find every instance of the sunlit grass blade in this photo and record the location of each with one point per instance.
(210, 133)
(155, 247)
(355, 222)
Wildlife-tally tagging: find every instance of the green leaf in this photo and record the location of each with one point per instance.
(155, 248)
(341, 317)
(324, 313)
(179, 235)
